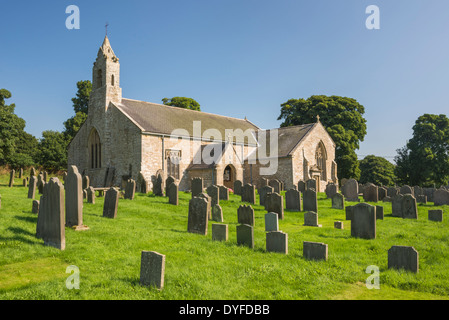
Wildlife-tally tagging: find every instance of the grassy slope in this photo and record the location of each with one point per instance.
(108, 255)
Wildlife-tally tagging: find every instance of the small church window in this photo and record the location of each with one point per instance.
(112, 80)
(94, 150)
(99, 78)
(173, 159)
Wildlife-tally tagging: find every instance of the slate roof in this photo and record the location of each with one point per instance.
(162, 119)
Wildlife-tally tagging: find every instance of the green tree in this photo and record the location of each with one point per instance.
(52, 154)
(343, 119)
(377, 170)
(424, 160)
(80, 105)
(182, 102)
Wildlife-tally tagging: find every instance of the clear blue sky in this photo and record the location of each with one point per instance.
(235, 57)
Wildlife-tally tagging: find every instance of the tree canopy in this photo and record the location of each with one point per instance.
(424, 160)
(377, 170)
(343, 119)
(80, 106)
(182, 102)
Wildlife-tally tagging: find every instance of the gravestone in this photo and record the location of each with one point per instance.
(111, 203)
(301, 186)
(417, 191)
(86, 182)
(396, 205)
(363, 222)
(198, 215)
(263, 192)
(32, 187)
(196, 186)
(310, 201)
(24, 182)
(152, 269)
(271, 222)
(349, 212)
(440, 197)
(338, 224)
(275, 184)
(293, 200)
(73, 198)
(274, 202)
(64, 176)
(45, 175)
(238, 187)
(370, 193)
(141, 183)
(277, 241)
(172, 193)
(213, 192)
(224, 193)
(429, 192)
(403, 257)
(435, 215)
(245, 235)
(311, 184)
(11, 178)
(421, 199)
(130, 189)
(90, 195)
(158, 188)
(331, 189)
(50, 225)
(168, 181)
(220, 232)
(32, 172)
(311, 219)
(209, 203)
(249, 193)
(217, 213)
(315, 250)
(109, 177)
(351, 190)
(406, 190)
(338, 201)
(409, 209)
(245, 215)
(35, 207)
(392, 192)
(382, 193)
(20, 173)
(379, 213)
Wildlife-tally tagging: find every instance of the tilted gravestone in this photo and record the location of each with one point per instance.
(73, 197)
(245, 235)
(370, 193)
(263, 192)
(274, 202)
(220, 232)
(111, 203)
(217, 213)
(271, 222)
(249, 193)
(238, 187)
(315, 250)
(224, 193)
(441, 197)
(152, 269)
(403, 257)
(409, 209)
(293, 200)
(363, 222)
(32, 187)
(172, 193)
(435, 215)
(245, 215)
(51, 220)
(351, 190)
(213, 192)
(311, 219)
(310, 201)
(130, 189)
(196, 186)
(338, 201)
(277, 241)
(198, 215)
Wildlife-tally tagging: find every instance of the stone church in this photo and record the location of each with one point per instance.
(125, 138)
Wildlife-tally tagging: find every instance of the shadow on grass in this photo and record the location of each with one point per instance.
(16, 230)
(27, 219)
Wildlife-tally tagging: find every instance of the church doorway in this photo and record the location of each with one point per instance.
(229, 177)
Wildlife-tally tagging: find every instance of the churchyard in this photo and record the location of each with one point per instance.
(107, 251)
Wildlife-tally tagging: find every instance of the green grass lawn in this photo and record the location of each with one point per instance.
(108, 255)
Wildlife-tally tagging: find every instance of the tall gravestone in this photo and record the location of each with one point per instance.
(172, 193)
(11, 178)
(263, 192)
(271, 222)
(396, 205)
(196, 186)
(51, 220)
(141, 183)
(86, 182)
(198, 216)
(301, 186)
(245, 215)
(168, 181)
(111, 203)
(293, 200)
(214, 193)
(238, 187)
(274, 202)
(152, 269)
(224, 193)
(310, 201)
(249, 193)
(363, 222)
(217, 213)
(409, 209)
(32, 187)
(351, 190)
(158, 188)
(370, 193)
(90, 195)
(130, 189)
(73, 198)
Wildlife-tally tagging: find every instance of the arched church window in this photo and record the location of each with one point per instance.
(173, 158)
(94, 150)
(321, 158)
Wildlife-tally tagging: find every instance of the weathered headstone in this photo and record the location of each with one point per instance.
(172, 193)
(421, 199)
(331, 189)
(217, 213)
(403, 257)
(158, 188)
(86, 182)
(209, 203)
(141, 183)
(152, 269)
(392, 192)
(349, 210)
(238, 187)
(263, 192)
(198, 215)
(196, 186)
(11, 178)
(315, 250)
(32, 187)
(275, 184)
(409, 209)
(130, 189)
(396, 205)
(35, 207)
(293, 200)
(271, 222)
(220, 232)
(245, 235)
(24, 182)
(249, 193)
(382, 193)
(51, 220)
(311, 219)
(435, 215)
(363, 222)
(338, 224)
(406, 190)
(90, 195)
(351, 190)
(224, 193)
(111, 203)
(32, 172)
(274, 202)
(245, 215)
(370, 193)
(168, 181)
(379, 213)
(441, 197)
(301, 186)
(45, 174)
(277, 241)
(213, 192)
(310, 201)
(311, 184)
(338, 201)
(73, 198)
